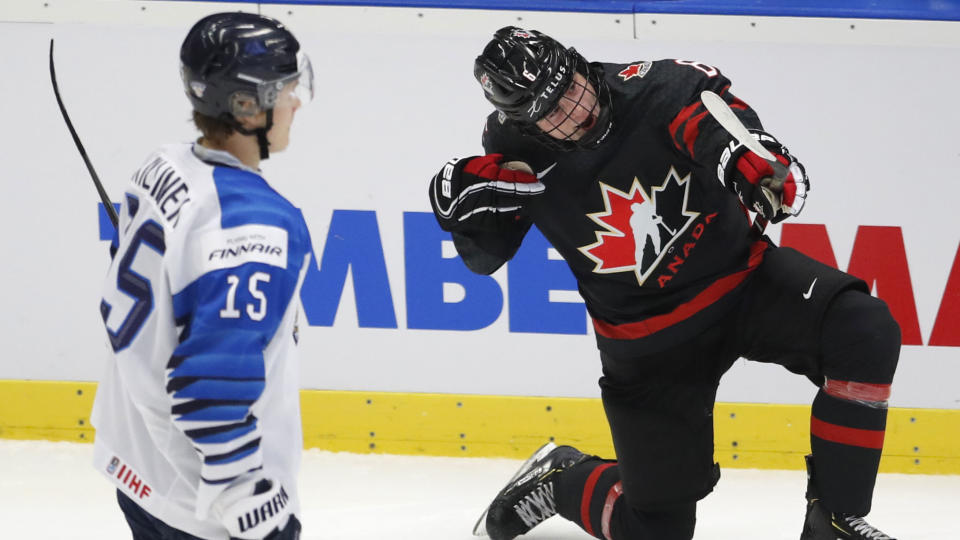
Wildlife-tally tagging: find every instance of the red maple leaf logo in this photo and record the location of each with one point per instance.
(635, 237)
(614, 250)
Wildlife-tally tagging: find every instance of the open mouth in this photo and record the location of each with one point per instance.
(587, 124)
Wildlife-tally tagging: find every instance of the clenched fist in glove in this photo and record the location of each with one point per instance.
(480, 193)
(757, 184)
(255, 507)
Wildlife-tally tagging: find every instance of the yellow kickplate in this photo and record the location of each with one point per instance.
(748, 435)
(50, 410)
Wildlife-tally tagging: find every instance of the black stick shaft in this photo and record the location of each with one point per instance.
(107, 204)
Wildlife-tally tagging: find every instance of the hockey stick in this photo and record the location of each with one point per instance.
(724, 116)
(107, 204)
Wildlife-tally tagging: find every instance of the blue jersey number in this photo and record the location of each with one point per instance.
(134, 285)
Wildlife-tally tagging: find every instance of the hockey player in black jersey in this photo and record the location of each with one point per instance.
(649, 200)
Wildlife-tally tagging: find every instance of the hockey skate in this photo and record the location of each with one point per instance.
(822, 524)
(529, 497)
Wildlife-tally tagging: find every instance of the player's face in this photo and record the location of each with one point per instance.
(576, 112)
(283, 112)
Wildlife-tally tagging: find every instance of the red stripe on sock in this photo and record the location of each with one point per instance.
(588, 496)
(864, 438)
(615, 492)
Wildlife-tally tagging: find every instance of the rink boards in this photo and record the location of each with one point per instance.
(759, 436)
(390, 315)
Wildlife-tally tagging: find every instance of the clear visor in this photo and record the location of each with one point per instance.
(297, 86)
(293, 89)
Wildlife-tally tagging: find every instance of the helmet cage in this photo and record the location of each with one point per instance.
(559, 122)
(557, 135)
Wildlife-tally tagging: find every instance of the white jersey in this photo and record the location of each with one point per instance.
(200, 307)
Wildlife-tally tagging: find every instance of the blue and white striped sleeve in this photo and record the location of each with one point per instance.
(247, 275)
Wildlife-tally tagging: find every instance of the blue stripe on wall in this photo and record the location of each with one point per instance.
(945, 10)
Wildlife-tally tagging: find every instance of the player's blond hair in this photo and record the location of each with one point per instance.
(213, 129)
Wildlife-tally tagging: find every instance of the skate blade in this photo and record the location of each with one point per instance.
(480, 529)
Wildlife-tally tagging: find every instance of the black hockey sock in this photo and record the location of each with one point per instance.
(846, 438)
(584, 490)
(590, 495)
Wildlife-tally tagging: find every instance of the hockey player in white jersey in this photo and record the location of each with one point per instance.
(198, 418)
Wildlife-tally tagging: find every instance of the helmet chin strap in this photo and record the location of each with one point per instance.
(261, 133)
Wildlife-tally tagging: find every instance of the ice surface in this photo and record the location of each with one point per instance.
(50, 491)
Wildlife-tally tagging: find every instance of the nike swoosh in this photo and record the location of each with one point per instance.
(806, 295)
(544, 172)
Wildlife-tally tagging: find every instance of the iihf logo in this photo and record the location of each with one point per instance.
(114, 463)
(638, 229)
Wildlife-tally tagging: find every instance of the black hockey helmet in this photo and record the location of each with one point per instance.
(235, 64)
(524, 73)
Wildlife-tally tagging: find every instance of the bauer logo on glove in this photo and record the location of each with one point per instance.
(481, 192)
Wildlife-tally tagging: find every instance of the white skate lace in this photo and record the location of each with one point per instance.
(865, 529)
(537, 506)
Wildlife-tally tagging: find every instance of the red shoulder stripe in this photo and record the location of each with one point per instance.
(679, 120)
(692, 131)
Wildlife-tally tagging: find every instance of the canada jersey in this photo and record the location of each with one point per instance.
(644, 220)
(200, 308)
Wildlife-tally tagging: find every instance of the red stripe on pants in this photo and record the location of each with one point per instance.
(717, 290)
(588, 496)
(864, 438)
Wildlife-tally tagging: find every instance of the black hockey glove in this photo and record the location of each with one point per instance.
(481, 193)
(752, 178)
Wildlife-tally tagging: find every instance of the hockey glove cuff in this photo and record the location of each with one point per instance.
(253, 507)
(754, 181)
(481, 193)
